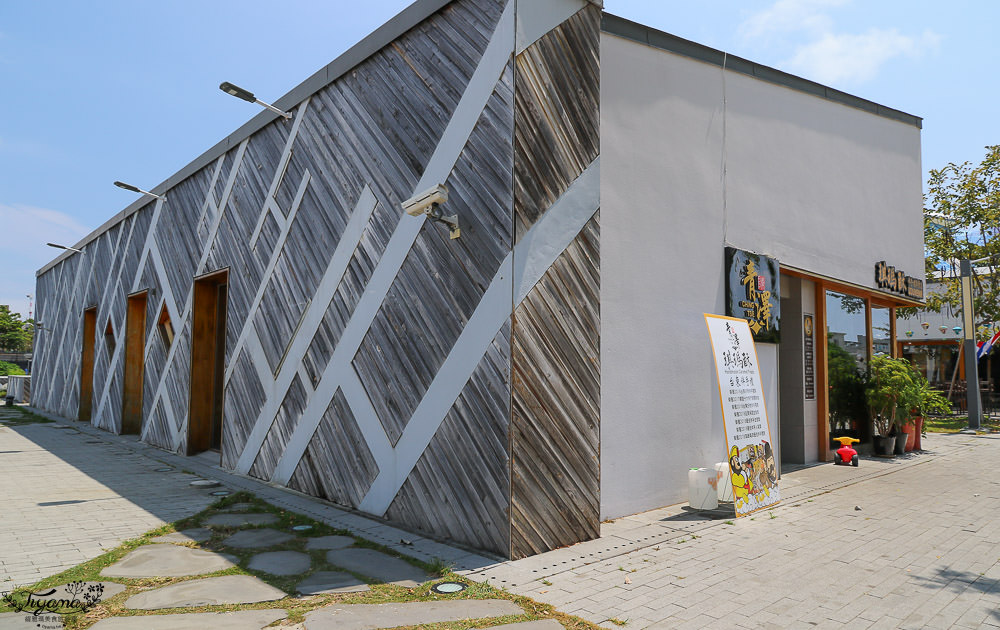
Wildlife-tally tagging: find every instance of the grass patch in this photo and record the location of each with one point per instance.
(954, 424)
(18, 416)
(296, 607)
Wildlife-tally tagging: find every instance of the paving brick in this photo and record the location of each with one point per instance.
(912, 557)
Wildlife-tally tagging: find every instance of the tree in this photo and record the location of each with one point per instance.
(963, 221)
(15, 334)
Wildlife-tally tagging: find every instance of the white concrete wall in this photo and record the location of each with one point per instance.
(820, 186)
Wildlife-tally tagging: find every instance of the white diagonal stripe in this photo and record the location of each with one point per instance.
(493, 310)
(547, 239)
(265, 280)
(209, 203)
(172, 353)
(554, 231)
(467, 113)
(279, 174)
(535, 18)
(310, 322)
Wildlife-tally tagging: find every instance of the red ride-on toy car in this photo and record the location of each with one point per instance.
(846, 455)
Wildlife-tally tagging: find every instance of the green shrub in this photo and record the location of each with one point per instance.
(897, 392)
(7, 369)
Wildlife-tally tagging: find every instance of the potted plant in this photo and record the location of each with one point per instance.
(927, 402)
(891, 387)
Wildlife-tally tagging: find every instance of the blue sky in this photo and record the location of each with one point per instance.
(128, 90)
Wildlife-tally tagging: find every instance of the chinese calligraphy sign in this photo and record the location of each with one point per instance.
(752, 292)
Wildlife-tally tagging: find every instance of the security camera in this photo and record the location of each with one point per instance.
(425, 201)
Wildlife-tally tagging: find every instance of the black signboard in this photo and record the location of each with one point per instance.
(809, 357)
(752, 292)
(891, 279)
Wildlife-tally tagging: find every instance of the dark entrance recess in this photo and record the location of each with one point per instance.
(135, 347)
(87, 364)
(208, 356)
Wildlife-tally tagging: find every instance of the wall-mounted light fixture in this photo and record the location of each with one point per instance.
(58, 246)
(131, 188)
(427, 203)
(247, 95)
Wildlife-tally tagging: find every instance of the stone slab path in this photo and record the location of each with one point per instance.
(544, 624)
(18, 621)
(239, 620)
(329, 542)
(239, 520)
(201, 534)
(377, 566)
(323, 582)
(280, 562)
(168, 561)
(257, 538)
(375, 616)
(119, 488)
(107, 590)
(226, 589)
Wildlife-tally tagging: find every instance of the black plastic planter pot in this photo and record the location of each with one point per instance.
(900, 444)
(884, 445)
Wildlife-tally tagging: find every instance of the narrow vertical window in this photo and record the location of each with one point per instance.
(109, 338)
(166, 328)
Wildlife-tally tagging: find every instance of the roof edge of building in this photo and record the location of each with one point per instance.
(419, 11)
(643, 34)
(402, 22)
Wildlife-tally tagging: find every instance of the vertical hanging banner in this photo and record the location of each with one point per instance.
(752, 469)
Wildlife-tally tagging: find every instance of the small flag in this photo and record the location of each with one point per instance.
(984, 347)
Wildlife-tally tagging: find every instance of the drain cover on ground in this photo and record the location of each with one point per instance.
(205, 483)
(448, 587)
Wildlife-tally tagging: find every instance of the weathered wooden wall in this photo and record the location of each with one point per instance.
(555, 429)
(369, 356)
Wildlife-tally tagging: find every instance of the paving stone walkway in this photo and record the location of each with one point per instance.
(239, 620)
(226, 589)
(172, 555)
(329, 542)
(66, 500)
(544, 624)
(375, 616)
(257, 538)
(280, 562)
(183, 537)
(331, 582)
(239, 520)
(149, 561)
(894, 543)
(378, 566)
(903, 543)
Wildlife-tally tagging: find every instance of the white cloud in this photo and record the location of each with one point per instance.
(847, 58)
(25, 231)
(820, 52)
(790, 15)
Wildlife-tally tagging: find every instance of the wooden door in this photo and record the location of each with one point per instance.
(87, 365)
(135, 347)
(208, 352)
